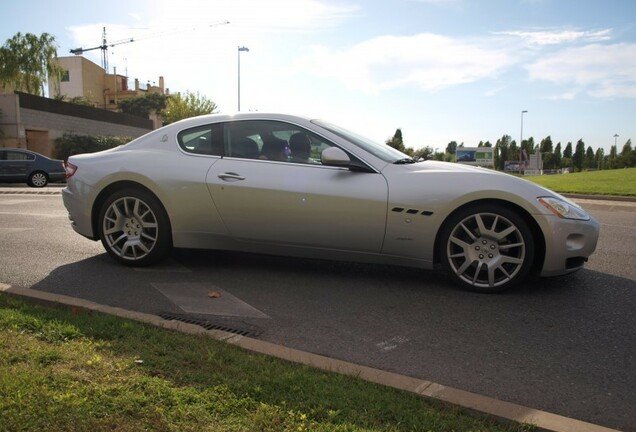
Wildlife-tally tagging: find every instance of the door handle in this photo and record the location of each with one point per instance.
(231, 176)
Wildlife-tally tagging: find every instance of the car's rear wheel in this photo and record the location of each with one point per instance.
(487, 248)
(38, 179)
(134, 228)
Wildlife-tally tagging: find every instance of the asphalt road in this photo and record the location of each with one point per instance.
(565, 345)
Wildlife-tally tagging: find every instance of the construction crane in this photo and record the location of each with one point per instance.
(105, 45)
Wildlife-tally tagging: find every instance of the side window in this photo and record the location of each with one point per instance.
(206, 140)
(13, 155)
(274, 140)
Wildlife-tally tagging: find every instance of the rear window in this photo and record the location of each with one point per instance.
(205, 140)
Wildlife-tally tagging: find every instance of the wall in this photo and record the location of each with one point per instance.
(43, 120)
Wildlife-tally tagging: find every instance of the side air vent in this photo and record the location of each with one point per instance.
(411, 211)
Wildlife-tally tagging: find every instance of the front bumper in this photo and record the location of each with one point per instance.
(569, 243)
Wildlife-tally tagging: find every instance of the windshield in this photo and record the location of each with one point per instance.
(382, 151)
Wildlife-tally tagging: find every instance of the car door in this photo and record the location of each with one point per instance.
(300, 204)
(16, 165)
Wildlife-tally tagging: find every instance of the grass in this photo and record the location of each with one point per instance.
(69, 370)
(606, 182)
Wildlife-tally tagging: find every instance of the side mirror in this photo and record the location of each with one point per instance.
(333, 156)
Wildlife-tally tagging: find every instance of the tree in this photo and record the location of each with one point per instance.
(546, 145)
(142, 106)
(627, 148)
(557, 156)
(567, 153)
(451, 148)
(528, 145)
(513, 152)
(425, 153)
(599, 157)
(502, 152)
(579, 155)
(179, 107)
(627, 158)
(589, 158)
(26, 62)
(77, 100)
(612, 162)
(396, 142)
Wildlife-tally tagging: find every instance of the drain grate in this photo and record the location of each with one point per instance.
(242, 329)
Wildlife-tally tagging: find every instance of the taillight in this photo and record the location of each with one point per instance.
(70, 169)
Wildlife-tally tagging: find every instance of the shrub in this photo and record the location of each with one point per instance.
(71, 144)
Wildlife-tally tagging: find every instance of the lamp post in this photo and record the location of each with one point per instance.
(243, 48)
(521, 139)
(615, 136)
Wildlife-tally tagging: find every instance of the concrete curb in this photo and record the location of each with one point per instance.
(503, 411)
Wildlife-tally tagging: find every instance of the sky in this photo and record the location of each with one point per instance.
(440, 70)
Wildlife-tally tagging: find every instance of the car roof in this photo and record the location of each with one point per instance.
(214, 118)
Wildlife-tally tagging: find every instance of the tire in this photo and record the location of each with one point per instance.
(134, 228)
(38, 179)
(486, 248)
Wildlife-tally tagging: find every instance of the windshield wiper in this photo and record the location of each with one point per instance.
(404, 161)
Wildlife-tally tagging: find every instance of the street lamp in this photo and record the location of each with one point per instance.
(243, 48)
(521, 139)
(615, 136)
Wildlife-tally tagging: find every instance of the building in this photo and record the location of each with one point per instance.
(81, 78)
(34, 122)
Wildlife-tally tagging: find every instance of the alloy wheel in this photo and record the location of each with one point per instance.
(130, 228)
(486, 250)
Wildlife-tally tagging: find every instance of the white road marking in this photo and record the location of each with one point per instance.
(392, 343)
(18, 201)
(13, 230)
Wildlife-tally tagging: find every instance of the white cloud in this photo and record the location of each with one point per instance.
(427, 61)
(175, 40)
(557, 37)
(604, 71)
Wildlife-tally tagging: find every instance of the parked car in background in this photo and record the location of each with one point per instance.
(289, 185)
(34, 169)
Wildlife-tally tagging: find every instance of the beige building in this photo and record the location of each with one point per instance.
(85, 79)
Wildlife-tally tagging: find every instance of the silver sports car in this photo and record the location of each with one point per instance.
(288, 185)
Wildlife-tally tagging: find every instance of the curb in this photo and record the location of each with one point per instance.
(600, 197)
(503, 411)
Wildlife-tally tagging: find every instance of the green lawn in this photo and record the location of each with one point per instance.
(72, 370)
(606, 182)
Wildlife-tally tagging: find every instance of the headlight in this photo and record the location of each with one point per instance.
(564, 209)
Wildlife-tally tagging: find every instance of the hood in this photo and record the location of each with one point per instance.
(466, 179)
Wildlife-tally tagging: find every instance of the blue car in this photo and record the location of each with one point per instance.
(36, 170)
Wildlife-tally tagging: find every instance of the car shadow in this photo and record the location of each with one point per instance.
(102, 280)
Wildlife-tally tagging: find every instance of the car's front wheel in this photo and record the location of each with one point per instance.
(38, 179)
(487, 248)
(134, 228)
